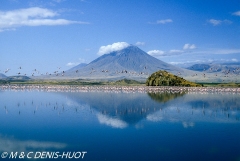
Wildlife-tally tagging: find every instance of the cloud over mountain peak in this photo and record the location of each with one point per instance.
(113, 47)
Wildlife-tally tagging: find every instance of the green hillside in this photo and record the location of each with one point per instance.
(164, 78)
(127, 82)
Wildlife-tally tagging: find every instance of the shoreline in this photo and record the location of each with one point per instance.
(115, 88)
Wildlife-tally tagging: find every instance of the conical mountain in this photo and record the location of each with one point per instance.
(130, 62)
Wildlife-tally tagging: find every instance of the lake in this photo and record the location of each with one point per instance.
(115, 123)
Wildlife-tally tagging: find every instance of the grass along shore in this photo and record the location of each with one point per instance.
(100, 82)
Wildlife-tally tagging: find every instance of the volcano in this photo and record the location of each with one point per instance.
(130, 62)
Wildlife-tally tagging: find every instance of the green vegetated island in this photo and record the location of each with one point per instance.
(164, 78)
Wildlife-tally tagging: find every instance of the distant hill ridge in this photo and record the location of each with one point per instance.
(199, 67)
(13, 78)
(215, 68)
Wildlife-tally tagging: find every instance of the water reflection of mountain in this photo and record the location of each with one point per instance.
(120, 109)
(128, 107)
(123, 109)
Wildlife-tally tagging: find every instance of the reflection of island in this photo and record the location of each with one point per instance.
(165, 96)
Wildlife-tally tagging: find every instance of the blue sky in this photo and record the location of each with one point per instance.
(48, 35)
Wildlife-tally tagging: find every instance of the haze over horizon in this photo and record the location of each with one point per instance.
(48, 35)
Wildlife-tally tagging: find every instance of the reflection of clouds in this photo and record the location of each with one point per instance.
(11, 144)
(154, 118)
(139, 126)
(171, 114)
(188, 124)
(113, 122)
(188, 115)
(70, 103)
(159, 116)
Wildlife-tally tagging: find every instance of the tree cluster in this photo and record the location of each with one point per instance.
(164, 78)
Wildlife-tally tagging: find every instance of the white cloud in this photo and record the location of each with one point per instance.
(71, 64)
(10, 29)
(215, 22)
(164, 21)
(220, 51)
(227, 22)
(227, 60)
(219, 22)
(236, 13)
(110, 48)
(175, 51)
(113, 122)
(81, 60)
(189, 46)
(33, 16)
(227, 51)
(140, 43)
(189, 62)
(76, 63)
(156, 52)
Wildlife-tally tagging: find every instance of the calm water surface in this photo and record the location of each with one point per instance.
(119, 126)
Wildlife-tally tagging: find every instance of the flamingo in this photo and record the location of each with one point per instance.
(7, 70)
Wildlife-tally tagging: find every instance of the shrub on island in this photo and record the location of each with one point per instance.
(164, 78)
